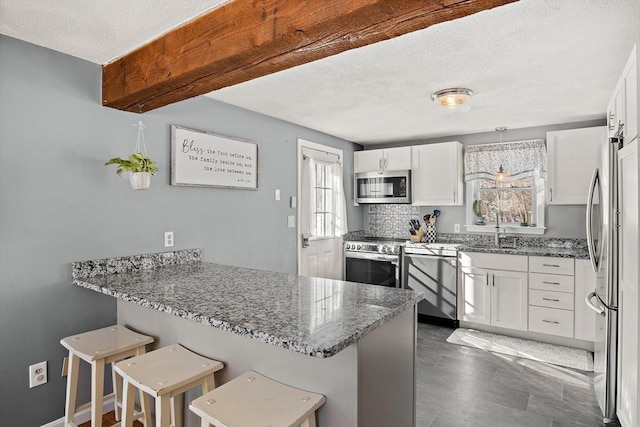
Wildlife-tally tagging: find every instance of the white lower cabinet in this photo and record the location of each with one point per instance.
(509, 299)
(476, 294)
(493, 297)
(528, 293)
(551, 321)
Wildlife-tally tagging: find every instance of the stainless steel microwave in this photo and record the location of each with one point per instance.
(383, 187)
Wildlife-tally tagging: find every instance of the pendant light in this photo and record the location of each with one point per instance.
(501, 175)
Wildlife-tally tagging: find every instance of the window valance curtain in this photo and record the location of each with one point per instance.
(519, 160)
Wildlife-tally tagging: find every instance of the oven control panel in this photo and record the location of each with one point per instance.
(382, 248)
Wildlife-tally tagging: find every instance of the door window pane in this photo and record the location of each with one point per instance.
(323, 196)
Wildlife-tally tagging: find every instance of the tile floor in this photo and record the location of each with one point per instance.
(460, 386)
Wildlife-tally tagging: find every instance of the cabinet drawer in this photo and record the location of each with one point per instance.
(493, 261)
(551, 321)
(541, 264)
(551, 282)
(551, 299)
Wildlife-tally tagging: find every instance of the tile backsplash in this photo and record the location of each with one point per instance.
(391, 221)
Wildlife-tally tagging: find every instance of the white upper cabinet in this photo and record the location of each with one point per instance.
(437, 174)
(386, 159)
(616, 110)
(623, 106)
(629, 82)
(572, 156)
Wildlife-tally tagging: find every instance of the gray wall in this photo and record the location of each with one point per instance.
(59, 203)
(561, 221)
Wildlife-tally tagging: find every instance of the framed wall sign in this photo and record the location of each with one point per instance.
(208, 160)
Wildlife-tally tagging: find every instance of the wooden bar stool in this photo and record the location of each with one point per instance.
(98, 348)
(255, 400)
(165, 374)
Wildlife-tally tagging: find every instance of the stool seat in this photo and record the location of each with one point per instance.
(104, 343)
(165, 374)
(255, 400)
(98, 348)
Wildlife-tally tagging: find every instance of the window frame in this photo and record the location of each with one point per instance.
(472, 189)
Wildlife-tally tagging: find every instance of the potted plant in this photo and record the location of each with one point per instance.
(139, 167)
(477, 212)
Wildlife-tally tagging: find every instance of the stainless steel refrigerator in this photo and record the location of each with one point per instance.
(602, 238)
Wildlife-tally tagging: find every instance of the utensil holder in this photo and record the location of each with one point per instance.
(430, 234)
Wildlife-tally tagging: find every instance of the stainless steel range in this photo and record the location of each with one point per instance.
(375, 262)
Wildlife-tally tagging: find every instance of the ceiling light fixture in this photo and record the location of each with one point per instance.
(453, 100)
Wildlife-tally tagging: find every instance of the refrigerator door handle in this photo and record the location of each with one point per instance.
(595, 180)
(600, 311)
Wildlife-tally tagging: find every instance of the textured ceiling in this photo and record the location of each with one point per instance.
(96, 30)
(530, 63)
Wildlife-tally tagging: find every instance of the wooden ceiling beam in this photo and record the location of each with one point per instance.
(246, 39)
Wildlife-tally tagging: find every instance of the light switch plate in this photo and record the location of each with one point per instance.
(291, 221)
(277, 194)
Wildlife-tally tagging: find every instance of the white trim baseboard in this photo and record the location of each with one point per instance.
(85, 414)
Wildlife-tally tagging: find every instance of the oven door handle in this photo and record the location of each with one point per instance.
(372, 257)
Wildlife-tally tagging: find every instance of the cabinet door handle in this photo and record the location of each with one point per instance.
(550, 194)
(493, 280)
(551, 265)
(487, 279)
(555, 322)
(551, 283)
(380, 164)
(454, 197)
(550, 299)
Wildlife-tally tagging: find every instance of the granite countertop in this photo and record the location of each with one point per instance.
(313, 316)
(562, 247)
(578, 253)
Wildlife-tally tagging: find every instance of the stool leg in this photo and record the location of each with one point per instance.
(128, 400)
(97, 392)
(163, 411)
(72, 389)
(117, 392)
(310, 421)
(145, 408)
(177, 404)
(208, 383)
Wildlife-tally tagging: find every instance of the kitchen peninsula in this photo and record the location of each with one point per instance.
(352, 342)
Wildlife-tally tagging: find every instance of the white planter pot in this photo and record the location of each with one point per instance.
(140, 180)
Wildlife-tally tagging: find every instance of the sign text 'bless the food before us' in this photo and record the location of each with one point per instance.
(206, 159)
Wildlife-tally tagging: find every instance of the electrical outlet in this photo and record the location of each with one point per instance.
(37, 374)
(456, 228)
(291, 221)
(168, 239)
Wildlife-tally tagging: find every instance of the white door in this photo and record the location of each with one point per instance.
(509, 302)
(321, 211)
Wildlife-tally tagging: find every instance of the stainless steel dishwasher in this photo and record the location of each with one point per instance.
(432, 268)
